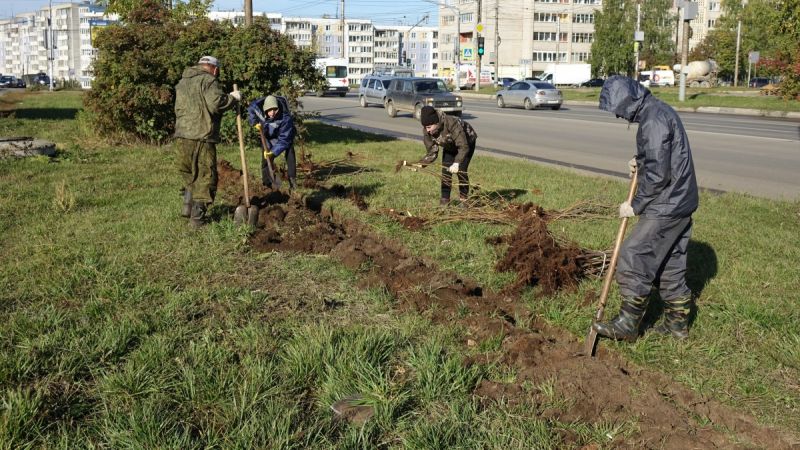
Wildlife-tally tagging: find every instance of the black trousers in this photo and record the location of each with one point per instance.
(655, 252)
(463, 177)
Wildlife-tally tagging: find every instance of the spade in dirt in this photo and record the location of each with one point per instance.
(590, 345)
(246, 213)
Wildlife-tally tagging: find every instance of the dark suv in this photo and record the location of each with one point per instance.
(411, 94)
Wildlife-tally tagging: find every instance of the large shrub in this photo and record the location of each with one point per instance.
(139, 64)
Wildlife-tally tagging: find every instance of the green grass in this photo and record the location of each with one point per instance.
(121, 328)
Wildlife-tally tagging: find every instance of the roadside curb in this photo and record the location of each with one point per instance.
(699, 109)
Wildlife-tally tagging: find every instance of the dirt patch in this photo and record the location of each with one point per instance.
(538, 259)
(606, 389)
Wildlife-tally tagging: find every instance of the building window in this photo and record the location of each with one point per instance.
(712, 23)
(549, 57)
(713, 6)
(583, 18)
(583, 37)
(579, 57)
(466, 18)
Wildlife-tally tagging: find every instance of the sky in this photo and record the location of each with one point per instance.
(382, 12)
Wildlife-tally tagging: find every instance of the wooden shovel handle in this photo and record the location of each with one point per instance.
(591, 338)
(241, 151)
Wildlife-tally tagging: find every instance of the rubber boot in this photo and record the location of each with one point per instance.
(444, 201)
(186, 210)
(292, 183)
(624, 327)
(198, 218)
(676, 318)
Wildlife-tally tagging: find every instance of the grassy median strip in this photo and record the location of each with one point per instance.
(122, 328)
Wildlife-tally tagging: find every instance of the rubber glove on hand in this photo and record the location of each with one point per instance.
(237, 95)
(453, 168)
(268, 155)
(257, 127)
(632, 167)
(626, 210)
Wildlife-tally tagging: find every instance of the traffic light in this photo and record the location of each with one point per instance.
(480, 46)
(403, 56)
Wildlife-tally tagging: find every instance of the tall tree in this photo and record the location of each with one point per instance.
(658, 24)
(612, 49)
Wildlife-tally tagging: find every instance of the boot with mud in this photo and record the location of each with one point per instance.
(186, 209)
(198, 217)
(292, 183)
(676, 318)
(444, 201)
(624, 327)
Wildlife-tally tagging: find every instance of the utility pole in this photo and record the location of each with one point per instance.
(496, 39)
(50, 45)
(248, 12)
(736, 65)
(688, 12)
(344, 34)
(637, 39)
(478, 57)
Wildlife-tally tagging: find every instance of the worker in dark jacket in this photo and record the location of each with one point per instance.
(273, 119)
(665, 199)
(457, 139)
(199, 104)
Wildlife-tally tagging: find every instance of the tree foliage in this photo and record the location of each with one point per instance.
(140, 62)
(612, 49)
(658, 25)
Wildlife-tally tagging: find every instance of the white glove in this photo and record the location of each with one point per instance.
(453, 168)
(632, 167)
(237, 95)
(626, 210)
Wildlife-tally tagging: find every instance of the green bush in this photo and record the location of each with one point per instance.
(139, 64)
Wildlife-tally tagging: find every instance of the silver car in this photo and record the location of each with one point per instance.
(530, 94)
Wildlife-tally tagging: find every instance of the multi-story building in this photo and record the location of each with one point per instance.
(521, 37)
(28, 44)
(420, 44)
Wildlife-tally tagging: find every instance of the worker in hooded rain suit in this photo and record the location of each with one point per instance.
(665, 198)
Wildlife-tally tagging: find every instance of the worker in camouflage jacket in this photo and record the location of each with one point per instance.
(456, 138)
(665, 198)
(199, 104)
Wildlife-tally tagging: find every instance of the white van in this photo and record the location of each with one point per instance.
(657, 77)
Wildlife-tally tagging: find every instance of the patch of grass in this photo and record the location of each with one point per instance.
(121, 328)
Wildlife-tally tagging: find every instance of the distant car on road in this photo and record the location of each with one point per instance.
(411, 94)
(7, 81)
(373, 89)
(505, 81)
(529, 95)
(759, 82)
(594, 82)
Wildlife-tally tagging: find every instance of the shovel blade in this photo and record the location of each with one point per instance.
(590, 345)
(240, 215)
(252, 216)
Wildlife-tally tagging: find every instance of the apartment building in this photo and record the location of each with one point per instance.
(26, 45)
(521, 37)
(420, 44)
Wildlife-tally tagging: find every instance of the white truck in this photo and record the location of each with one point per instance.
(567, 74)
(699, 73)
(335, 72)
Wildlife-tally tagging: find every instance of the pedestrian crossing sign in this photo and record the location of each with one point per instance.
(466, 53)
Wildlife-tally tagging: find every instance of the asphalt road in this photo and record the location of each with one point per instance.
(755, 155)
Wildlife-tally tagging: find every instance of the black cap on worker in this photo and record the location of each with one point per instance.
(428, 116)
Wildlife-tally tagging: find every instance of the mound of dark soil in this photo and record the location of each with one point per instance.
(538, 259)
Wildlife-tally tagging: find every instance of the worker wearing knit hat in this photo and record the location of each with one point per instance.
(456, 139)
(428, 116)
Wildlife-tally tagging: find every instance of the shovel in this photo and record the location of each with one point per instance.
(276, 181)
(590, 345)
(246, 213)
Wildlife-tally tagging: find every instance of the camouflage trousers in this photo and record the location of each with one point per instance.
(197, 164)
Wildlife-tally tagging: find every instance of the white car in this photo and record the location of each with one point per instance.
(529, 95)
